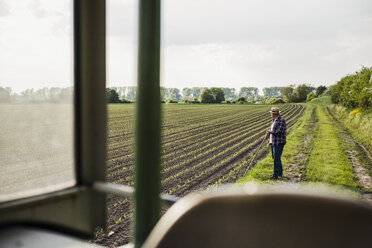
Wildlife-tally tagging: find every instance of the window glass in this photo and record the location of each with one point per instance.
(36, 97)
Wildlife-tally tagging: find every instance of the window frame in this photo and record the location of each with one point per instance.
(81, 209)
(77, 210)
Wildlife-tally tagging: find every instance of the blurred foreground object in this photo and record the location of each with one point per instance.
(265, 216)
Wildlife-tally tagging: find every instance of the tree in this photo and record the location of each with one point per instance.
(229, 93)
(5, 94)
(302, 91)
(186, 94)
(112, 96)
(218, 94)
(288, 93)
(241, 99)
(248, 92)
(131, 93)
(66, 94)
(354, 90)
(320, 90)
(196, 91)
(174, 94)
(271, 91)
(207, 96)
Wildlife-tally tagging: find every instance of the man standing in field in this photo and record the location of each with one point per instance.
(277, 141)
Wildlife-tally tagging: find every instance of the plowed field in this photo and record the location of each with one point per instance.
(203, 145)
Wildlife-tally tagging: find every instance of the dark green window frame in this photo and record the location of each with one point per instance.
(82, 208)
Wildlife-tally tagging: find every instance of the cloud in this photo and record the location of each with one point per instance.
(37, 9)
(203, 21)
(4, 9)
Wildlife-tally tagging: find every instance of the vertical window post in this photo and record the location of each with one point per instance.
(90, 100)
(147, 174)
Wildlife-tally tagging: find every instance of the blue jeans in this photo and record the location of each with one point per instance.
(276, 151)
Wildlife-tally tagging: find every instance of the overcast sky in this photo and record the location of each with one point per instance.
(233, 43)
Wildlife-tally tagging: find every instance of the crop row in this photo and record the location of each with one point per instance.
(229, 155)
(185, 140)
(202, 155)
(126, 160)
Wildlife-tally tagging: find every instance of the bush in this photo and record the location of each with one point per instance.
(172, 101)
(320, 90)
(355, 90)
(241, 99)
(112, 96)
(162, 101)
(124, 101)
(310, 96)
(212, 95)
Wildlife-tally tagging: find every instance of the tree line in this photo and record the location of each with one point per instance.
(291, 93)
(352, 91)
(51, 95)
(193, 95)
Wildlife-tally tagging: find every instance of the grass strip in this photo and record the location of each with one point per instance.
(360, 126)
(328, 163)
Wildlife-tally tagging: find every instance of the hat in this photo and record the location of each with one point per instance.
(275, 110)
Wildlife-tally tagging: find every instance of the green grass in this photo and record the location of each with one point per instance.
(359, 126)
(328, 162)
(325, 163)
(322, 100)
(264, 168)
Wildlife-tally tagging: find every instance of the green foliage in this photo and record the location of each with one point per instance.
(212, 95)
(229, 93)
(207, 96)
(241, 99)
(355, 90)
(320, 90)
(274, 101)
(288, 93)
(310, 96)
(322, 100)
(302, 91)
(112, 96)
(195, 100)
(124, 101)
(186, 94)
(172, 101)
(359, 125)
(218, 94)
(170, 94)
(271, 91)
(248, 93)
(298, 94)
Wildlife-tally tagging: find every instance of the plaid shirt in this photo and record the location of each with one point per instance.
(279, 131)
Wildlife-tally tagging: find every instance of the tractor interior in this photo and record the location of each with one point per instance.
(234, 216)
